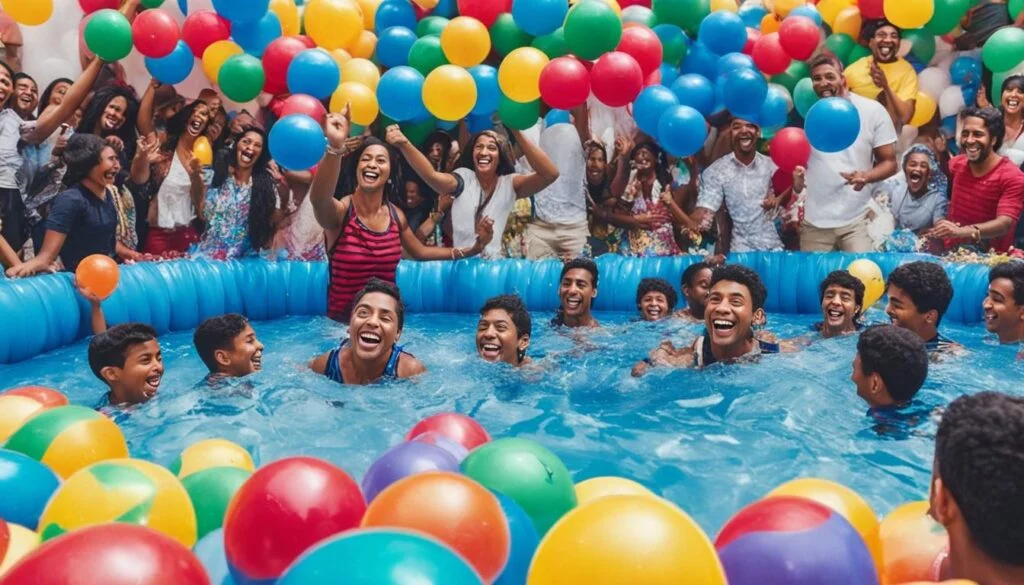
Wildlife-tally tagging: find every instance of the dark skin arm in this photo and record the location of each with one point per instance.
(885, 167)
(8, 257)
(420, 251)
(52, 244)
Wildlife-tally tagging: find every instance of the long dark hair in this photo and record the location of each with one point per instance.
(264, 193)
(393, 189)
(94, 113)
(81, 155)
(506, 164)
(44, 99)
(177, 124)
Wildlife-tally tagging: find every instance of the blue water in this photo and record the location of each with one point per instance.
(711, 441)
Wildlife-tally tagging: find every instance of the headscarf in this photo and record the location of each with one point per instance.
(937, 180)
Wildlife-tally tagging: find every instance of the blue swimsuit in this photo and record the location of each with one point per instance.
(333, 371)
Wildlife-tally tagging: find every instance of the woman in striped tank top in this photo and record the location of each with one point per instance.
(365, 232)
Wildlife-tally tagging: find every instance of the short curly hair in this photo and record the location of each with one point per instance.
(691, 272)
(927, 285)
(217, 333)
(660, 285)
(110, 348)
(898, 356)
(1014, 272)
(515, 307)
(979, 455)
(744, 276)
(844, 279)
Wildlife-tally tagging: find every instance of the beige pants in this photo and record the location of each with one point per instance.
(849, 238)
(550, 240)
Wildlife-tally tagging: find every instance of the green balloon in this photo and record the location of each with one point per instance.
(686, 14)
(674, 44)
(356, 130)
(109, 35)
(517, 115)
(922, 44)
(841, 44)
(948, 14)
(426, 54)
(417, 132)
(152, 3)
(552, 45)
(431, 25)
(592, 29)
(1015, 7)
(791, 76)
(858, 53)
(640, 15)
(506, 36)
(1004, 50)
(241, 78)
(529, 474)
(211, 491)
(804, 96)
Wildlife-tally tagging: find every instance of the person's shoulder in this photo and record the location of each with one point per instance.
(410, 366)
(957, 163)
(467, 174)
(866, 105)
(902, 67)
(1010, 170)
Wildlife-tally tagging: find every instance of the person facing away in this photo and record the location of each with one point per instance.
(890, 366)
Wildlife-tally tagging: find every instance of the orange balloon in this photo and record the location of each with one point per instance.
(770, 24)
(98, 274)
(362, 100)
(203, 150)
(848, 21)
(48, 397)
(829, 9)
(364, 46)
(452, 508)
(911, 541)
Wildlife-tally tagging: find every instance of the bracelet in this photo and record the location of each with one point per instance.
(977, 233)
(336, 151)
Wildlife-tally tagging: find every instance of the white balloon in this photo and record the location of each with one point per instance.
(951, 101)
(136, 73)
(785, 93)
(907, 137)
(946, 61)
(942, 51)
(933, 81)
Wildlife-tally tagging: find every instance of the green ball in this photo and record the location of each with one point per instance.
(426, 54)
(517, 115)
(686, 14)
(152, 3)
(674, 44)
(431, 25)
(858, 53)
(1015, 7)
(592, 29)
(109, 35)
(417, 132)
(788, 79)
(552, 45)
(526, 472)
(922, 44)
(241, 78)
(1004, 50)
(211, 491)
(804, 96)
(948, 14)
(506, 36)
(841, 44)
(640, 15)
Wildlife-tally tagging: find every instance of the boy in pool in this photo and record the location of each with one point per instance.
(228, 346)
(503, 332)
(919, 295)
(1004, 304)
(127, 359)
(842, 302)
(577, 290)
(890, 367)
(655, 299)
(371, 352)
(696, 282)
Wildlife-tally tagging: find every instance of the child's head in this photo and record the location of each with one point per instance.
(735, 304)
(578, 287)
(227, 345)
(919, 294)
(890, 366)
(696, 283)
(503, 332)
(842, 299)
(1004, 304)
(127, 358)
(655, 299)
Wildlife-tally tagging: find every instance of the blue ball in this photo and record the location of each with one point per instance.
(479, 123)
(723, 32)
(743, 92)
(774, 111)
(539, 17)
(488, 93)
(669, 74)
(297, 142)
(700, 60)
(965, 71)
(556, 117)
(254, 37)
(210, 552)
(807, 10)
(446, 8)
(314, 72)
(394, 13)
(752, 14)
(241, 11)
(695, 91)
(400, 94)
(393, 46)
(682, 131)
(524, 541)
(670, 34)
(832, 124)
(175, 67)
(733, 62)
(26, 485)
(648, 107)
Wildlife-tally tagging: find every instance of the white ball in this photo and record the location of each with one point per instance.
(933, 81)
(951, 101)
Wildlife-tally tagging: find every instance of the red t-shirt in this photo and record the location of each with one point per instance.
(1000, 192)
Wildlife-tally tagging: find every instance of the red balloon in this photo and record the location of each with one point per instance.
(769, 56)
(48, 397)
(285, 508)
(109, 554)
(782, 180)
(871, 9)
(616, 79)
(90, 6)
(799, 37)
(301, 103)
(457, 427)
(790, 149)
(628, 3)
(643, 45)
(155, 33)
(276, 59)
(654, 78)
(310, 43)
(203, 28)
(564, 83)
(486, 11)
(752, 35)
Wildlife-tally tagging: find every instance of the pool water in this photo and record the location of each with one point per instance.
(712, 441)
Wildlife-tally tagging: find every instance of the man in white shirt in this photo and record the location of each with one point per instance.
(836, 206)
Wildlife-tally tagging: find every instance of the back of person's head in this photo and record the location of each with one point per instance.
(926, 284)
(979, 456)
(1014, 272)
(110, 348)
(516, 309)
(743, 276)
(898, 356)
(81, 155)
(993, 120)
(658, 285)
(691, 272)
(844, 279)
(584, 263)
(376, 285)
(217, 333)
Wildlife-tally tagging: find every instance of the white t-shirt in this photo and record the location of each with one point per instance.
(464, 211)
(564, 202)
(830, 202)
(174, 199)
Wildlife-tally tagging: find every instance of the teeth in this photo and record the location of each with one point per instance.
(491, 347)
(370, 338)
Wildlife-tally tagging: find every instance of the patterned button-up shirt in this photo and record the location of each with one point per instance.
(743, 188)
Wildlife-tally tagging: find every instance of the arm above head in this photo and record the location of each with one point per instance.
(52, 118)
(327, 210)
(544, 170)
(438, 181)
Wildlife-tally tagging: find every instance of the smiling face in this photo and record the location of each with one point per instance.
(6, 86)
(975, 139)
(486, 155)
(113, 115)
(697, 294)
(744, 136)
(730, 316)
(139, 379)
(1003, 316)
(198, 120)
(26, 96)
(576, 292)
(904, 313)
(839, 308)
(374, 168)
(1013, 99)
(246, 355)
(57, 95)
(413, 196)
(597, 165)
(918, 171)
(248, 151)
(885, 44)
(435, 154)
(373, 328)
(827, 81)
(644, 160)
(105, 173)
(654, 306)
(241, 121)
(497, 339)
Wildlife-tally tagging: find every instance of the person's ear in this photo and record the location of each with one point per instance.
(524, 342)
(944, 507)
(932, 317)
(877, 384)
(221, 357)
(110, 374)
(760, 318)
(594, 296)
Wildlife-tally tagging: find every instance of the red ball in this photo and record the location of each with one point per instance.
(155, 33)
(564, 83)
(752, 35)
(643, 45)
(90, 6)
(871, 9)
(654, 78)
(628, 3)
(282, 510)
(486, 11)
(457, 427)
(276, 59)
(309, 42)
(301, 103)
(799, 37)
(48, 397)
(203, 28)
(616, 79)
(769, 56)
(109, 554)
(790, 149)
(782, 180)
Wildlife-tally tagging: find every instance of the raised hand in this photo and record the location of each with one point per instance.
(395, 137)
(337, 126)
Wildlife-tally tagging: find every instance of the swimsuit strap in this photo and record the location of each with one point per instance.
(702, 355)
(768, 347)
(333, 370)
(391, 370)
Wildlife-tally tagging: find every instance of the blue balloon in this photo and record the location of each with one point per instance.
(539, 17)
(297, 142)
(733, 62)
(670, 34)
(447, 125)
(394, 13)
(701, 61)
(183, 6)
(970, 93)
(832, 124)
(965, 71)
(241, 11)
(807, 10)
(669, 74)
(446, 8)
(524, 540)
(555, 117)
(476, 123)
(210, 552)
(752, 14)
(175, 67)
(695, 91)
(743, 92)
(314, 72)
(26, 485)
(774, 111)
(404, 460)
(393, 46)
(379, 556)
(648, 107)
(400, 94)
(255, 36)
(723, 32)
(488, 93)
(682, 131)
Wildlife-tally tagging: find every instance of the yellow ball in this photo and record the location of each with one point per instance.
(28, 12)
(871, 275)
(362, 100)
(519, 74)
(908, 14)
(211, 453)
(288, 13)
(361, 71)
(341, 56)
(924, 110)
(783, 7)
(68, 438)
(369, 10)
(465, 41)
(15, 410)
(829, 9)
(364, 47)
(449, 93)
(22, 542)
(911, 541)
(216, 54)
(602, 487)
(848, 22)
(626, 539)
(724, 6)
(333, 24)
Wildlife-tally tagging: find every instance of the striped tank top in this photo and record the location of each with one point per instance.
(358, 255)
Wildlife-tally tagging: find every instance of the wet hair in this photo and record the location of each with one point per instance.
(979, 455)
(394, 189)
(217, 333)
(660, 285)
(110, 348)
(22, 75)
(584, 263)
(44, 99)
(691, 272)
(927, 285)
(376, 285)
(993, 120)
(517, 311)
(871, 28)
(81, 155)
(825, 57)
(506, 164)
(262, 200)
(898, 356)
(1013, 81)
(743, 276)
(1014, 272)
(92, 115)
(844, 279)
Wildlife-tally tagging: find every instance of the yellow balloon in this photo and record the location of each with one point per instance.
(426, 4)
(519, 74)
(288, 13)
(909, 14)
(829, 9)
(341, 56)
(770, 23)
(724, 6)
(924, 110)
(15, 410)
(364, 47)
(216, 54)
(333, 24)
(783, 7)
(362, 99)
(848, 21)
(211, 453)
(369, 10)
(911, 541)
(613, 3)
(871, 275)
(465, 41)
(28, 12)
(203, 151)
(22, 542)
(361, 71)
(602, 487)
(449, 93)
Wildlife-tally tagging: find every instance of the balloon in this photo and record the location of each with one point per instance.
(1004, 50)
(871, 9)
(841, 45)
(947, 17)
(27, 486)
(216, 56)
(832, 124)
(210, 552)
(287, 15)
(674, 43)
(519, 73)
(564, 83)
(652, 102)
(361, 99)
(202, 151)
(465, 42)
(488, 94)
(596, 488)
(449, 93)
(641, 15)
(404, 460)
(804, 97)
(45, 397)
(933, 81)
(911, 541)
(744, 92)
(98, 274)
(701, 61)
(175, 67)
(21, 542)
(241, 11)
(341, 56)
(922, 44)
(790, 149)
(241, 78)
(799, 37)
(770, 24)
(400, 94)
(724, 5)
(394, 13)
(811, 12)
(695, 91)
(254, 37)
(202, 29)
(211, 491)
(486, 11)
(910, 13)
(426, 55)
(783, 7)
(431, 25)
(829, 9)
(297, 142)
(848, 22)
(924, 110)
(539, 17)
(211, 453)
(518, 115)
(616, 79)
(393, 46)
(686, 14)
(29, 12)
(109, 35)
(668, 74)
(644, 46)
(552, 45)
(507, 36)
(554, 118)
(775, 109)
(723, 32)
(965, 71)
(733, 62)
(314, 72)
(524, 542)
(752, 14)
(591, 29)
(277, 57)
(871, 275)
(857, 53)
(770, 56)
(793, 74)
(333, 24)
(369, 10)
(682, 131)
(951, 101)
(304, 104)
(155, 34)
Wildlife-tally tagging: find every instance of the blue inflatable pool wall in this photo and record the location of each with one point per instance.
(45, 312)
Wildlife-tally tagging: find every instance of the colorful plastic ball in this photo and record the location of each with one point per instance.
(871, 275)
(539, 17)
(601, 487)
(552, 45)
(506, 36)
(488, 93)
(314, 72)
(519, 74)
(674, 43)
(210, 552)
(277, 58)
(626, 539)
(69, 438)
(431, 25)
(297, 142)
(117, 554)
(211, 491)
(832, 124)
(108, 34)
(701, 61)
(287, 15)
(811, 12)
(723, 32)
(362, 102)
(365, 46)
(241, 78)
(255, 36)
(442, 442)
(14, 411)
(769, 55)
(393, 46)
(686, 14)
(517, 115)
(457, 427)
(790, 149)
(99, 274)
(449, 93)
(564, 83)
(400, 94)
(306, 105)
(799, 36)
(910, 14)
(682, 130)
(48, 397)
(643, 45)
(794, 541)
(361, 71)
(592, 29)
(175, 67)
(465, 41)
(486, 11)
(426, 54)
(20, 542)
(404, 460)
(744, 91)
(284, 508)
(202, 28)
(911, 542)
(155, 33)
(217, 55)
(695, 91)
(652, 102)
(524, 541)
(394, 13)
(775, 110)
(333, 24)
(27, 486)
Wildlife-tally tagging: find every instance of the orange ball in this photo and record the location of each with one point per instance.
(911, 541)
(99, 274)
(48, 397)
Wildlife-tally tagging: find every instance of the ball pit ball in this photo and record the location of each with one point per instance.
(457, 427)
(911, 541)
(438, 440)
(404, 460)
(69, 438)
(26, 485)
(211, 491)
(98, 274)
(48, 397)
(20, 542)
(601, 487)
(211, 453)
(524, 542)
(14, 411)
(871, 275)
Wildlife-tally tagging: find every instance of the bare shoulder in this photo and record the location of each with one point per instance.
(319, 363)
(410, 366)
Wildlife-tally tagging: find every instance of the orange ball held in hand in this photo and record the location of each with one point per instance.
(98, 274)
(203, 150)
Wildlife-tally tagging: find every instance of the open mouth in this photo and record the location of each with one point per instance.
(25, 101)
(654, 312)
(110, 176)
(886, 51)
(152, 384)
(1012, 103)
(573, 302)
(246, 157)
(369, 341)
(916, 179)
(111, 123)
(370, 176)
(827, 93)
(257, 360)
(746, 141)
(835, 316)
(723, 325)
(195, 127)
(484, 160)
(490, 351)
(972, 150)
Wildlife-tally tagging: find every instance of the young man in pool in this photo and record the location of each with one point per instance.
(503, 332)
(919, 295)
(127, 359)
(577, 289)
(842, 301)
(695, 284)
(890, 367)
(1004, 305)
(228, 346)
(371, 352)
(655, 299)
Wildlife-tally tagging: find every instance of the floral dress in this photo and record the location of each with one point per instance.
(661, 241)
(227, 221)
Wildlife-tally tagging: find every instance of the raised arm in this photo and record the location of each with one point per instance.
(436, 180)
(327, 210)
(52, 118)
(581, 120)
(197, 187)
(420, 251)
(544, 170)
(620, 178)
(145, 120)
